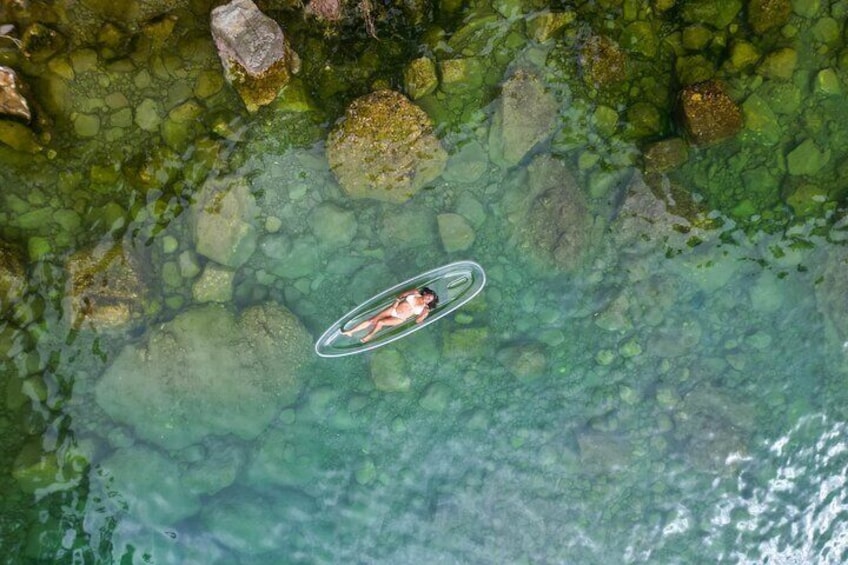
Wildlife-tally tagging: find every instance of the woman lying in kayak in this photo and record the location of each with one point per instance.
(415, 302)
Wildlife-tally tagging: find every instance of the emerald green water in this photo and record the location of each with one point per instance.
(677, 398)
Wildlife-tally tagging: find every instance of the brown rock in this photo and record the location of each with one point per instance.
(708, 114)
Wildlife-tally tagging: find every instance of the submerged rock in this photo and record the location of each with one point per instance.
(525, 115)
(107, 287)
(252, 523)
(665, 155)
(708, 114)
(604, 63)
(223, 218)
(557, 225)
(12, 101)
(384, 148)
(389, 371)
(257, 59)
(525, 361)
(207, 372)
(455, 231)
(12, 276)
(764, 15)
(148, 485)
(657, 215)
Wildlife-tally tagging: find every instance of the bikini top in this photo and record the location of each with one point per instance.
(416, 308)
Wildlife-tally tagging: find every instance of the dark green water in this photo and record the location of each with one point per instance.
(676, 398)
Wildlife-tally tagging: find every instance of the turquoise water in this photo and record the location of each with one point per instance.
(676, 397)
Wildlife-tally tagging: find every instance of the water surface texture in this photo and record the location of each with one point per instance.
(654, 373)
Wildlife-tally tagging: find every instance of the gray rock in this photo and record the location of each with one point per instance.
(557, 225)
(224, 219)
(525, 116)
(12, 101)
(244, 35)
(207, 372)
(385, 148)
(257, 59)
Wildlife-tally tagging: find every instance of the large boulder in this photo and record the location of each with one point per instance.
(148, 485)
(207, 372)
(525, 115)
(12, 276)
(708, 114)
(223, 219)
(256, 56)
(557, 225)
(254, 523)
(106, 287)
(384, 148)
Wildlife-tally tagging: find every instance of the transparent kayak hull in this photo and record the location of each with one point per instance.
(455, 284)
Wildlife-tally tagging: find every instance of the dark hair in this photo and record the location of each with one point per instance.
(435, 302)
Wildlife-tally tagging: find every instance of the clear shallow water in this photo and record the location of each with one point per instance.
(665, 403)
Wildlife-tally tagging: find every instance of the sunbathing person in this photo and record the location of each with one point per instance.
(412, 303)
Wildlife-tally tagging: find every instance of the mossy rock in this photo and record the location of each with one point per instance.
(107, 287)
(603, 62)
(384, 148)
(12, 275)
(764, 15)
(715, 13)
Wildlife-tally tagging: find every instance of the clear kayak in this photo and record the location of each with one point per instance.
(455, 284)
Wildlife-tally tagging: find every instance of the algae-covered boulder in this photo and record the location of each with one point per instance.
(223, 218)
(107, 286)
(525, 115)
(708, 114)
(557, 227)
(384, 148)
(256, 56)
(148, 485)
(12, 275)
(207, 372)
